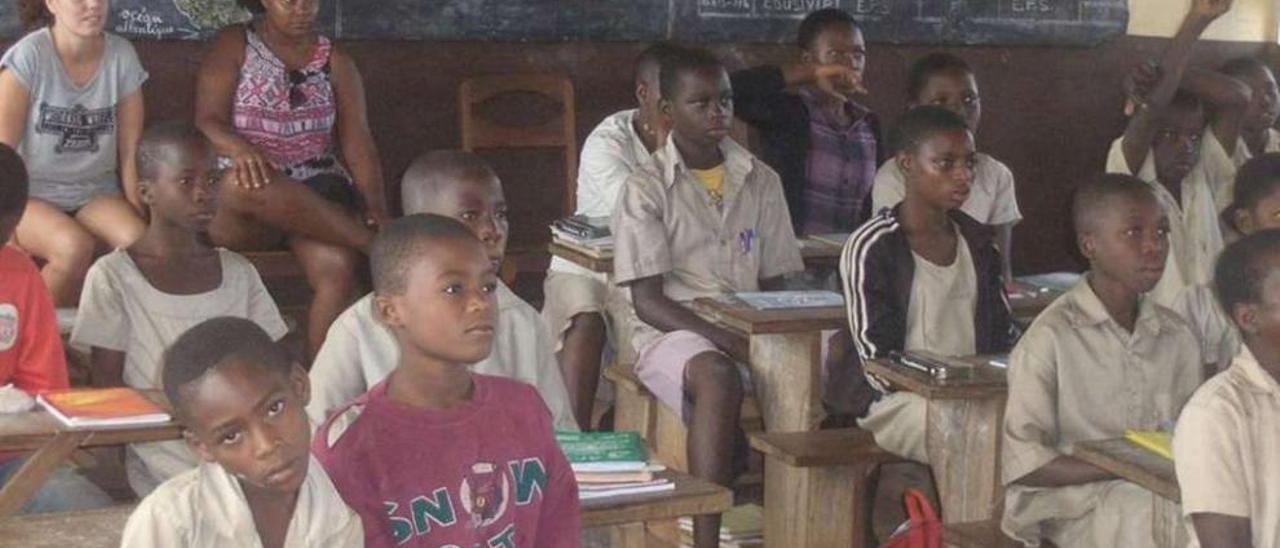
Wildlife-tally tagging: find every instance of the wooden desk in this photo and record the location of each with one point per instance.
(629, 514)
(53, 443)
(1132, 463)
(814, 252)
(785, 358)
(1026, 308)
(602, 264)
(101, 528)
(962, 435)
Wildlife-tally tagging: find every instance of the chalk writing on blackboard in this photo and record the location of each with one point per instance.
(931, 22)
(786, 9)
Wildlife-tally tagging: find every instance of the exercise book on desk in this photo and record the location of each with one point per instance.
(777, 300)
(102, 407)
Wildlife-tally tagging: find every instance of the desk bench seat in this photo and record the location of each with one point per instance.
(978, 534)
(816, 486)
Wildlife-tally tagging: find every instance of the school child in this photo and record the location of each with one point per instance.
(922, 275)
(1225, 443)
(945, 80)
(240, 401)
(1256, 206)
(703, 218)
(437, 454)
(72, 107)
(139, 299)
(360, 350)
(31, 354)
(1187, 161)
(823, 143)
(1102, 359)
(1257, 136)
(575, 297)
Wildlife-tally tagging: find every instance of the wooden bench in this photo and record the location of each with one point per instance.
(977, 534)
(636, 409)
(815, 486)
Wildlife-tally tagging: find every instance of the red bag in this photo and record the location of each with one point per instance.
(922, 529)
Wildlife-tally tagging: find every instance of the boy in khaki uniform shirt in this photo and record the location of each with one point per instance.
(1172, 144)
(703, 218)
(1227, 447)
(1102, 359)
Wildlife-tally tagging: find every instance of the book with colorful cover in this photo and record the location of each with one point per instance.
(1160, 443)
(102, 407)
(603, 451)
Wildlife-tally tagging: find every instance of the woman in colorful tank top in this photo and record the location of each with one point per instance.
(71, 105)
(285, 107)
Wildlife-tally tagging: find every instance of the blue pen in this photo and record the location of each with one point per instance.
(745, 240)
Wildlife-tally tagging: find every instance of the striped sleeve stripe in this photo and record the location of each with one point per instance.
(853, 259)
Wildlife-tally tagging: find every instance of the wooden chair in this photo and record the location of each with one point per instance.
(481, 132)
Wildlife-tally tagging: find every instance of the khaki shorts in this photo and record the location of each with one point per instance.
(567, 295)
(897, 422)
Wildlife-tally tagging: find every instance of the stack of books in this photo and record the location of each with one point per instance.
(588, 235)
(611, 464)
(102, 408)
(740, 527)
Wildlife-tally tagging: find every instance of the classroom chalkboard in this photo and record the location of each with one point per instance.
(931, 22)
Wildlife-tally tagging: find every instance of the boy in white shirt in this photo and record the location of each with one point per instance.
(138, 300)
(1170, 144)
(575, 298)
(1228, 436)
(240, 400)
(359, 352)
(944, 80)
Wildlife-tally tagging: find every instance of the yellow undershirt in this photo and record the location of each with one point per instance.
(713, 180)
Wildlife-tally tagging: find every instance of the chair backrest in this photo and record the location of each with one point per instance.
(481, 132)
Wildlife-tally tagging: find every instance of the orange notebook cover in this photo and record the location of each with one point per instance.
(86, 407)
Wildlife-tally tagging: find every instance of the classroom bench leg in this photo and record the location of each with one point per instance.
(38, 467)
(819, 506)
(963, 442)
(786, 370)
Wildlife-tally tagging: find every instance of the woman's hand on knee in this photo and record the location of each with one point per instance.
(251, 169)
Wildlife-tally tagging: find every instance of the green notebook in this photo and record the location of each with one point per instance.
(603, 451)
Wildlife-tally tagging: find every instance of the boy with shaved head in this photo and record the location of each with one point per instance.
(360, 351)
(1102, 359)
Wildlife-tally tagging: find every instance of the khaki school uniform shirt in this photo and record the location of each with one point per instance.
(1195, 234)
(1076, 375)
(666, 223)
(1219, 339)
(206, 508)
(991, 201)
(1227, 448)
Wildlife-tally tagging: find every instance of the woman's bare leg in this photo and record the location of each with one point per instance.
(112, 220)
(51, 235)
(292, 207)
(331, 271)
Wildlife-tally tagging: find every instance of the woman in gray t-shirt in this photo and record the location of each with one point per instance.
(71, 104)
